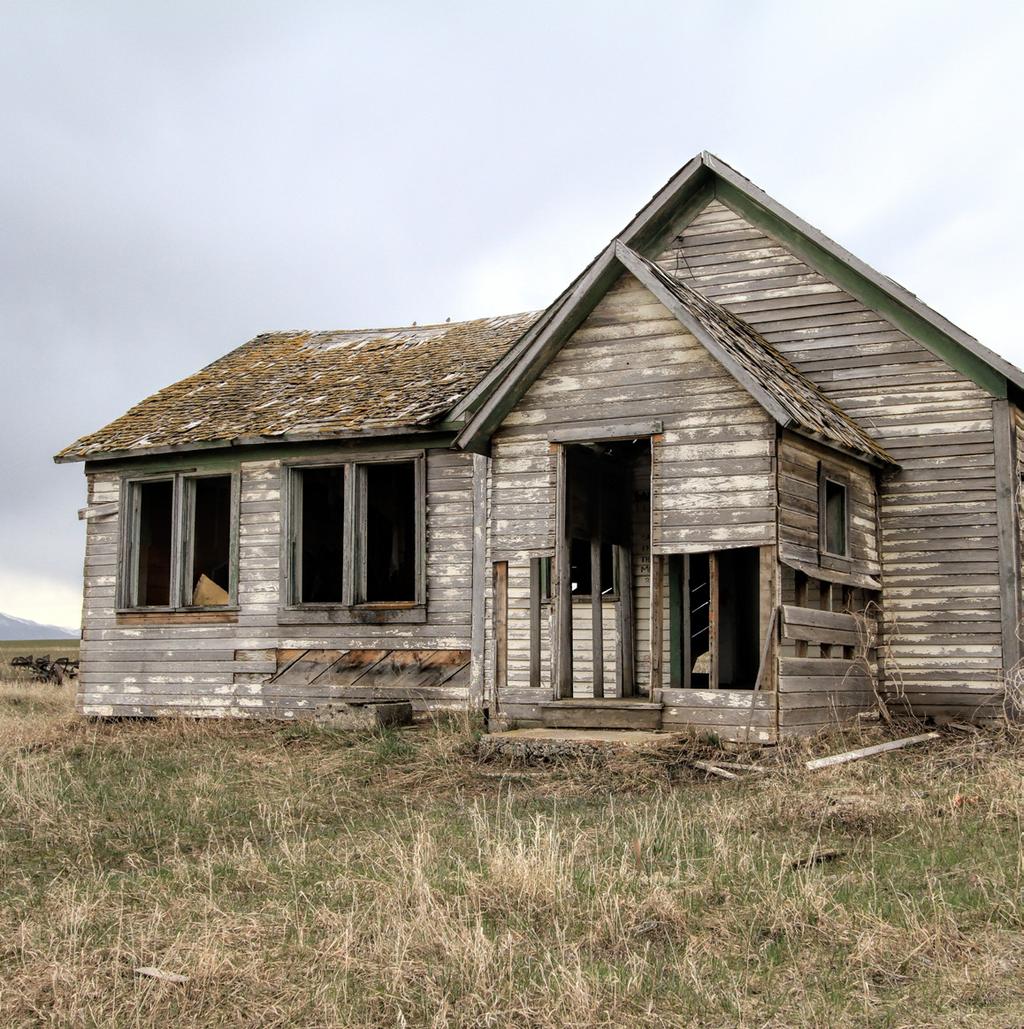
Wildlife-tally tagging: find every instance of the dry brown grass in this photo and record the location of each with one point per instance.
(304, 877)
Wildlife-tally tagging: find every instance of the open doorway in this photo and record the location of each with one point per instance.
(596, 551)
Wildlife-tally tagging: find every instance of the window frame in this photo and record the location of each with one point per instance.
(828, 474)
(351, 608)
(181, 556)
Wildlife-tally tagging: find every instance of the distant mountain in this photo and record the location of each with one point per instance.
(12, 628)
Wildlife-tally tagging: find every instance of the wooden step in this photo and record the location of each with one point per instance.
(601, 714)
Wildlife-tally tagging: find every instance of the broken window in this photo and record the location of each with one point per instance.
(390, 550)
(210, 531)
(321, 540)
(179, 541)
(356, 533)
(833, 516)
(154, 505)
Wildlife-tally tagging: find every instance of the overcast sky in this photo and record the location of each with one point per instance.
(177, 177)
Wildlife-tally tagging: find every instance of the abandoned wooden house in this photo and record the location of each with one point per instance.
(731, 479)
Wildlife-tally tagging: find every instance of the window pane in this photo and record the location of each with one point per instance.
(153, 563)
(211, 541)
(579, 568)
(322, 521)
(390, 532)
(835, 517)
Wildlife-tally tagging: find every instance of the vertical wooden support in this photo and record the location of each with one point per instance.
(657, 620)
(478, 599)
(500, 631)
(596, 618)
(800, 599)
(847, 601)
(625, 671)
(825, 593)
(562, 586)
(768, 608)
(687, 626)
(713, 621)
(535, 605)
(1006, 523)
(675, 621)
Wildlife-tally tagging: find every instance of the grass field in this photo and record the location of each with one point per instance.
(299, 876)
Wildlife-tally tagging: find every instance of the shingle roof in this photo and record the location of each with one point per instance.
(785, 391)
(308, 384)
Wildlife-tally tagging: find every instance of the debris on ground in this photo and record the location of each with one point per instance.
(862, 752)
(43, 669)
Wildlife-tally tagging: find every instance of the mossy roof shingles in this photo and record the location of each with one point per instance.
(308, 384)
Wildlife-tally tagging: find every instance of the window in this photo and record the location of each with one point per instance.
(322, 534)
(390, 551)
(356, 532)
(833, 515)
(178, 544)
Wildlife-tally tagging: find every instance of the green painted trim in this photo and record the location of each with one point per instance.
(229, 458)
(839, 272)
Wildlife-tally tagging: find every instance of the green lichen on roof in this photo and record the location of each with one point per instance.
(312, 384)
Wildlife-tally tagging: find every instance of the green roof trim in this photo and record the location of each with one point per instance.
(878, 299)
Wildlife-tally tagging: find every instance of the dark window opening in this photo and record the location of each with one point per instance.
(835, 518)
(153, 570)
(211, 541)
(580, 569)
(322, 535)
(390, 532)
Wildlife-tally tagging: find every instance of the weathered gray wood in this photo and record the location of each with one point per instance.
(500, 631)
(1007, 484)
(625, 665)
(535, 621)
(478, 603)
(596, 619)
(656, 616)
(863, 752)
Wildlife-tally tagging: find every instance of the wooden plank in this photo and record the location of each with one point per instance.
(535, 620)
(1007, 484)
(478, 601)
(625, 667)
(561, 642)
(500, 604)
(596, 620)
(713, 619)
(656, 630)
(350, 667)
(863, 752)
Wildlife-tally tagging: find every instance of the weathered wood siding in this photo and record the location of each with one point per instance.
(799, 459)
(938, 513)
(713, 466)
(152, 664)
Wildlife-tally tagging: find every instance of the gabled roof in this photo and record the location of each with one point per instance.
(790, 398)
(312, 385)
(697, 182)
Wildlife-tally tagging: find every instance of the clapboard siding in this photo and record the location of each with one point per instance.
(221, 668)
(711, 480)
(799, 459)
(938, 550)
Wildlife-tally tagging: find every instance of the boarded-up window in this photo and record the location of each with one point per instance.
(321, 542)
(390, 547)
(154, 528)
(210, 533)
